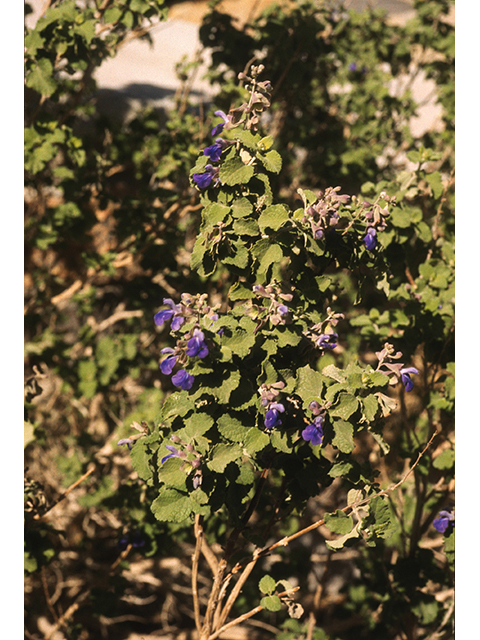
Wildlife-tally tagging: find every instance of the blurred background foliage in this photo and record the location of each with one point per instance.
(110, 221)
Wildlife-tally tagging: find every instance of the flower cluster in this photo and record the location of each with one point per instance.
(248, 115)
(322, 334)
(192, 344)
(268, 399)
(192, 459)
(276, 311)
(189, 307)
(375, 216)
(313, 433)
(260, 91)
(323, 215)
(205, 179)
(396, 371)
(443, 520)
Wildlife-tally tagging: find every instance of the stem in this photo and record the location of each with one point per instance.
(218, 588)
(348, 509)
(195, 559)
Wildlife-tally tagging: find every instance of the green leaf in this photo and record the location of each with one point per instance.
(267, 585)
(170, 473)
(232, 428)
(308, 197)
(247, 138)
(233, 171)
(265, 143)
(222, 454)
(345, 407)
(239, 292)
(242, 337)
(171, 506)
(343, 438)
(380, 519)
(272, 161)
(338, 522)
(256, 441)
(246, 227)
(237, 255)
(272, 255)
(178, 403)
(242, 208)
(271, 603)
(446, 460)
(87, 372)
(450, 547)
(41, 78)
(196, 425)
(273, 217)
(370, 407)
(331, 371)
(140, 458)
(309, 384)
(339, 543)
(214, 213)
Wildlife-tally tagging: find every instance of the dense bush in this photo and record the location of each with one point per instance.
(298, 435)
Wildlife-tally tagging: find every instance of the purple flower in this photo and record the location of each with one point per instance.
(219, 127)
(135, 539)
(272, 417)
(170, 361)
(405, 375)
(370, 239)
(327, 340)
(127, 441)
(183, 380)
(174, 453)
(314, 431)
(214, 151)
(442, 521)
(170, 314)
(197, 346)
(204, 180)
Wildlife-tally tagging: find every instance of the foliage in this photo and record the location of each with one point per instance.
(304, 407)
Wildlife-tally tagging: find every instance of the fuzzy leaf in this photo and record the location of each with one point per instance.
(233, 171)
(171, 506)
(231, 428)
(339, 543)
(273, 217)
(221, 455)
(343, 439)
(338, 522)
(272, 161)
(271, 603)
(346, 406)
(309, 384)
(267, 585)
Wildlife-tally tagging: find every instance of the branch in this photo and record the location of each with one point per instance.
(66, 492)
(248, 615)
(351, 507)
